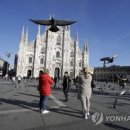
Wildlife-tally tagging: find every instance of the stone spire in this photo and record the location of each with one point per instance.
(77, 38)
(87, 50)
(76, 42)
(22, 35)
(26, 37)
(68, 27)
(85, 55)
(76, 56)
(85, 47)
(22, 40)
(39, 31)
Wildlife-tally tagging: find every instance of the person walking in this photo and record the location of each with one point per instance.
(93, 84)
(75, 80)
(122, 81)
(13, 79)
(55, 81)
(85, 91)
(19, 79)
(66, 82)
(44, 88)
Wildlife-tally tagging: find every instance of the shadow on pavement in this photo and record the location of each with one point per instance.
(28, 94)
(24, 104)
(75, 113)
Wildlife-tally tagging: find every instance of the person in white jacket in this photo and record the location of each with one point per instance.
(85, 91)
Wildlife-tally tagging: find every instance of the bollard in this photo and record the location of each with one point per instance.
(117, 95)
(114, 105)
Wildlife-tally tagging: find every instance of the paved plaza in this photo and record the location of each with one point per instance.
(19, 109)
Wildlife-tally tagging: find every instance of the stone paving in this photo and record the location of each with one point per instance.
(19, 109)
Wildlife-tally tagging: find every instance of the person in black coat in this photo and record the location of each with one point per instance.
(55, 81)
(66, 85)
(123, 80)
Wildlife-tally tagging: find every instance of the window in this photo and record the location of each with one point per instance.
(71, 54)
(30, 60)
(71, 63)
(80, 64)
(43, 50)
(57, 54)
(41, 61)
(59, 40)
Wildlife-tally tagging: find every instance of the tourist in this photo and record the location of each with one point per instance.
(122, 81)
(19, 79)
(84, 93)
(75, 80)
(93, 84)
(55, 81)
(44, 88)
(13, 79)
(66, 85)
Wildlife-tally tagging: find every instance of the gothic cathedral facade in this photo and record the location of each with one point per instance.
(57, 52)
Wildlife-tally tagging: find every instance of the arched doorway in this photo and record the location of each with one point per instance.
(57, 72)
(29, 73)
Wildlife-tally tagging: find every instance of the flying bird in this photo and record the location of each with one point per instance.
(108, 59)
(8, 54)
(53, 23)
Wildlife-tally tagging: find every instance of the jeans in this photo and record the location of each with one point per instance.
(43, 102)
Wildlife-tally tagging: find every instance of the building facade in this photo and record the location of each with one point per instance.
(56, 51)
(4, 67)
(110, 73)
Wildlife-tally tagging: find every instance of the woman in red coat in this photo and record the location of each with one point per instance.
(45, 82)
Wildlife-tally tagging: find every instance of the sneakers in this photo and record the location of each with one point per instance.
(45, 112)
(88, 113)
(66, 99)
(86, 116)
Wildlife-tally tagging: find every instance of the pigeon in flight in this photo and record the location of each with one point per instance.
(53, 23)
(108, 59)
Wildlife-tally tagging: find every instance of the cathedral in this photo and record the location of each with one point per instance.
(56, 51)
